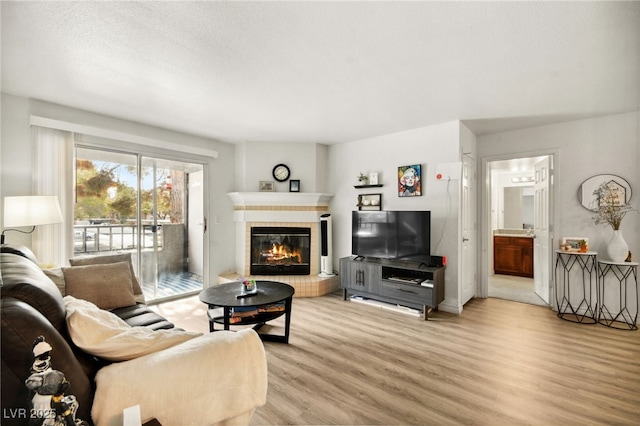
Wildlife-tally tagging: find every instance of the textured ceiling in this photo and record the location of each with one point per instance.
(325, 72)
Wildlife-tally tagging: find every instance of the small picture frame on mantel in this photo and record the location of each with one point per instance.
(266, 186)
(294, 185)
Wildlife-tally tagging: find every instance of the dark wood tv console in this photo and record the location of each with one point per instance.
(399, 282)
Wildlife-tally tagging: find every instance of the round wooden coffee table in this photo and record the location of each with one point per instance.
(272, 300)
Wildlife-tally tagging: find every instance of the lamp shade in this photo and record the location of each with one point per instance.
(31, 211)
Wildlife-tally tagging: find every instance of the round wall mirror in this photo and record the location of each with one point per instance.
(585, 192)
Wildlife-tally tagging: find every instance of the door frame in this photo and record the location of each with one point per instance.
(485, 214)
(468, 265)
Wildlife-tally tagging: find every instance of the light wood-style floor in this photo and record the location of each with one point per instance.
(498, 363)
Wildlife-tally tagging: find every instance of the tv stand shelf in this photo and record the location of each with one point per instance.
(404, 283)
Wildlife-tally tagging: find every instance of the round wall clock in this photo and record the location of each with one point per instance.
(281, 172)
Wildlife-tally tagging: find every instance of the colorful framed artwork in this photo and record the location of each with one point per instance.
(409, 181)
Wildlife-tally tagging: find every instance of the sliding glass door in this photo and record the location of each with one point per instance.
(147, 206)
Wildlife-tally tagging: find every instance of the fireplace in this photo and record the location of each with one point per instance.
(287, 210)
(279, 250)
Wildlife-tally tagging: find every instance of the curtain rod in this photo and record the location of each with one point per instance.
(113, 134)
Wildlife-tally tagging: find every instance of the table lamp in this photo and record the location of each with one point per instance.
(30, 211)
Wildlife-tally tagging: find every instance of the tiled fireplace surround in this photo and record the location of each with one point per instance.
(281, 209)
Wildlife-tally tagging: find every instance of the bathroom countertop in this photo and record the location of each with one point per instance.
(512, 233)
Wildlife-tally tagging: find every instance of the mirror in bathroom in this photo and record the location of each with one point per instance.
(518, 207)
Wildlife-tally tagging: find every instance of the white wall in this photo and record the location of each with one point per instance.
(255, 162)
(426, 146)
(15, 156)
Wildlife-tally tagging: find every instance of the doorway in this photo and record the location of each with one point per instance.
(517, 215)
(147, 206)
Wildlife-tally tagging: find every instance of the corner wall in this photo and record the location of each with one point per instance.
(255, 161)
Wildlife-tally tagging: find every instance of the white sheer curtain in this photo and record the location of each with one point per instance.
(53, 175)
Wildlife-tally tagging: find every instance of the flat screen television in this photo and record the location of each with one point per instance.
(403, 235)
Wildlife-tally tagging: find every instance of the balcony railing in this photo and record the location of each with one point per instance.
(107, 237)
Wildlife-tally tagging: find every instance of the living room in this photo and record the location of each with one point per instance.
(603, 140)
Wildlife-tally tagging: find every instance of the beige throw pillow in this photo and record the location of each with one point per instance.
(55, 274)
(107, 336)
(113, 258)
(107, 286)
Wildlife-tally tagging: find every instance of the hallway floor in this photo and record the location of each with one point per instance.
(517, 289)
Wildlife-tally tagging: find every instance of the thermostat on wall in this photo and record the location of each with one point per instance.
(448, 171)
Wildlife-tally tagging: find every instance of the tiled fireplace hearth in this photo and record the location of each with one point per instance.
(274, 209)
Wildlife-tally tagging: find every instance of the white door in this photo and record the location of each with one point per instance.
(542, 241)
(468, 211)
(196, 229)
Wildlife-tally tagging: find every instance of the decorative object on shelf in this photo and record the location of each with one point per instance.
(409, 181)
(369, 202)
(281, 172)
(574, 244)
(266, 186)
(611, 206)
(373, 178)
(248, 287)
(617, 247)
(294, 185)
(587, 191)
(363, 179)
(583, 246)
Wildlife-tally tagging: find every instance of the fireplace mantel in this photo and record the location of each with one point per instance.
(246, 199)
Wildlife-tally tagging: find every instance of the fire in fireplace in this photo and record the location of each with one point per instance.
(280, 250)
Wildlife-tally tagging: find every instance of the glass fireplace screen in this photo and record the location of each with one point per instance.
(280, 251)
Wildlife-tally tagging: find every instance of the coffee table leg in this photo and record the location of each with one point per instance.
(287, 319)
(212, 323)
(227, 315)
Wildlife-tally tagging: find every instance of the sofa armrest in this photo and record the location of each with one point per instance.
(205, 380)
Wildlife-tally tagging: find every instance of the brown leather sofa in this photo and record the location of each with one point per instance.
(32, 306)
